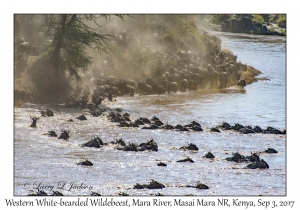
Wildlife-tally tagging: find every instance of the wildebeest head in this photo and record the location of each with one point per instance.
(34, 119)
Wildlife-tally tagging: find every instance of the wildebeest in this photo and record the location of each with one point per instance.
(129, 82)
(144, 88)
(241, 83)
(172, 87)
(190, 146)
(260, 164)
(209, 155)
(65, 134)
(152, 185)
(85, 163)
(186, 160)
(237, 157)
(94, 142)
(26, 49)
(97, 99)
(52, 133)
(124, 87)
(271, 150)
(34, 120)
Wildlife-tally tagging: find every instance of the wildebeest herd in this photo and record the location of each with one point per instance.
(193, 71)
(189, 71)
(217, 70)
(117, 116)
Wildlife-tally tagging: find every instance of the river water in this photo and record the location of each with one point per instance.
(40, 160)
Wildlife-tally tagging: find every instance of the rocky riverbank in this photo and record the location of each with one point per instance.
(252, 24)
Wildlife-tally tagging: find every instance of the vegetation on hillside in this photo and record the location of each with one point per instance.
(275, 23)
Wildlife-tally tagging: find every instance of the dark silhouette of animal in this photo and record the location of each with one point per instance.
(185, 160)
(257, 129)
(81, 117)
(120, 142)
(168, 127)
(215, 130)
(144, 88)
(39, 193)
(57, 193)
(271, 130)
(130, 82)
(253, 157)
(237, 157)
(152, 185)
(34, 120)
(209, 155)
(149, 145)
(125, 88)
(52, 133)
(129, 147)
(271, 150)
(94, 142)
(199, 186)
(97, 99)
(225, 126)
(85, 163)
(172, 87)
(237, 126)
(161, 164)
(241, 83)
(260, 164)
(95, 194)
(191, 146)
(65, 135)
(246, 130)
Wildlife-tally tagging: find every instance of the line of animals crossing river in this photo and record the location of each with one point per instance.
(124, 120)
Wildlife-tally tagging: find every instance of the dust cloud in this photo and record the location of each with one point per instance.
(167, 52)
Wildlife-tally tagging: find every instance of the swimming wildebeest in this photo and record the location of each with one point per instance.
(34, 120)
(186, 160)
(261, 164)
(85, 163)
(209, 155)
(64, 135)
(152, 185)
(190, 146)
(94, 142)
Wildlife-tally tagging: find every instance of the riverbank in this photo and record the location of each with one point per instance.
(265, 24)
(168, 52)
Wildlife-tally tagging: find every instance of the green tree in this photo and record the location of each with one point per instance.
(71, 34)
(258, 18)
(282, 21)
(220, 18)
